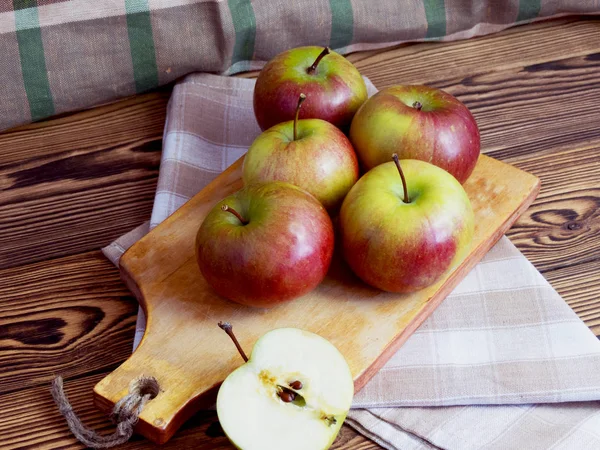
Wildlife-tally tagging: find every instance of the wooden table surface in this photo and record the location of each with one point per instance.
(72, 184)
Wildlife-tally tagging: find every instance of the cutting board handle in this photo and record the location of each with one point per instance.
(174, 323)
(174, 397)
(171, 403)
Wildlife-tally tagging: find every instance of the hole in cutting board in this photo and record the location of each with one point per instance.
(146, 386)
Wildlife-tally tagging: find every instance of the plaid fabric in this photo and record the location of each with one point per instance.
(60, 55)
(503, 337)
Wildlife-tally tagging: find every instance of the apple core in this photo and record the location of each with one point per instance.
(294, 393)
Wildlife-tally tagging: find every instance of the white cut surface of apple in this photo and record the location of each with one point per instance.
(253, 415)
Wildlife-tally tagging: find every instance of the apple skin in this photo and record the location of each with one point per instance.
(335, 90)
(283, 252)
(321, 160)
(404, 247)
(443, 132)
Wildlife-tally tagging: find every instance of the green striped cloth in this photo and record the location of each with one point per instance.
(62, 55)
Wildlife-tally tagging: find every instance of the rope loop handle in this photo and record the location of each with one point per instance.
(125, 413)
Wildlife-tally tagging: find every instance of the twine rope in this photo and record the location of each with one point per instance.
(125, 413)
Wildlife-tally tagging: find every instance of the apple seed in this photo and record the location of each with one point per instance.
(287, 396)
(297, 385)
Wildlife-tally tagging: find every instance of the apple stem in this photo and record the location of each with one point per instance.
(324, 53)
(235, 213)
(417, 105)
(397, 161)
(301, 99)
(227, 328)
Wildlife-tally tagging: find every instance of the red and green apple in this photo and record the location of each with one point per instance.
(334, 87)
(266, 244)
(404, 224)
(416, 122)
(311, 153)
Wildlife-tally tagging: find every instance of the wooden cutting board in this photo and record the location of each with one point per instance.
(189, 355)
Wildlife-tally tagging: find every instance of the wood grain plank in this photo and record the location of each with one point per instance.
(537, 108)
(34, 410)
(70, 316)
(75, 204)
(562, 227)
(75, 183)
(435, 62)
(579, 285)
(109, 126)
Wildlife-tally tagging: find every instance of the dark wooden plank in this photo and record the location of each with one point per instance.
(435, 62)
(31, 419)
(534, 109)
(75, 183)
(74, 220)
(562, 227)
(70, 316)
(130, 120)
(34, 410)
(579, 285)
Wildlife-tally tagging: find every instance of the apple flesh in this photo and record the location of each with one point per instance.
(400, 246)
(311, 154)
(416, 122)
(335, 88)
(250, 407)
(276, 247)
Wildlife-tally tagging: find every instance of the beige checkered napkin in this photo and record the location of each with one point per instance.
(503, 337)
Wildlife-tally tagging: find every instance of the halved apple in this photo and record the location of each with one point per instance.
(293, 393)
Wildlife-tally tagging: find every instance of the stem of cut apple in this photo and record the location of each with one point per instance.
(397, 161)
(227, 328)
(417, 106)
(235, 213)
(324, 53)
(300, 101)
